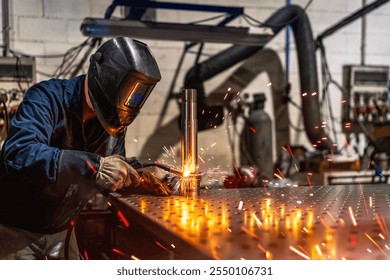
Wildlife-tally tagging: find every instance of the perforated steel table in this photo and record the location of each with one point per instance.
(324, 222)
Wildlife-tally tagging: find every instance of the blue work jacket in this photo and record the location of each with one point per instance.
(49, 160)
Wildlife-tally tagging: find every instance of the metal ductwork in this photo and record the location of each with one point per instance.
(297, 18)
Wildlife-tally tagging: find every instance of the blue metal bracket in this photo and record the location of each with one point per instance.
(233, 12)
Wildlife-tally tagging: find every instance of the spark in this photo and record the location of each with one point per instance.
(280, 172)
(387, 247)
(123, 218)
(345, 141)
(381, 236)
(229, 230)
(304, 94)
(247, 231)
(134, 257)
(318, 250)
(278, 176)
(253, 130)
(299, 253)
(226, 95)
(305, 230)
(314, 93)
(120, 253)
(330, 215)
(258, 222)
(352, 216)
(135, 140)
(201, 159)
(382, 224)
(370, 201)
(343, 101)
(162, 246)
(229, 89)
(269, 84)
(376, 244)
(212, 145)
(240, 205)
(86, 255)
(91, 166)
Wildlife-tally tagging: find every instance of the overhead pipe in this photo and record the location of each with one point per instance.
(298, 20)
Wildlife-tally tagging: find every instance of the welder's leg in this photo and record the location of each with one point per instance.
(19, 244)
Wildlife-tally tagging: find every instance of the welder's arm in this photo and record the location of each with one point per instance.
(29, 156)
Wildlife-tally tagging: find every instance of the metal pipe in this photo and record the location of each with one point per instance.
(189, 184)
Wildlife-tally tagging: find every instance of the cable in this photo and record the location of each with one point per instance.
(262, 24)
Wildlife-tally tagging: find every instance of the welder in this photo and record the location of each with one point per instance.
(66, 143)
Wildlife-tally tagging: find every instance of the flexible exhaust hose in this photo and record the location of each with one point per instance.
(297, 18)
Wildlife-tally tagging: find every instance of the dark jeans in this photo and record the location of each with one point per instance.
(19, 244)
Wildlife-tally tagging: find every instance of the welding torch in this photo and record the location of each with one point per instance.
(136, 164)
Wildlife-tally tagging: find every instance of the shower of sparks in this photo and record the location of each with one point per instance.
(376, 244)
(299, 253)
(352, 216)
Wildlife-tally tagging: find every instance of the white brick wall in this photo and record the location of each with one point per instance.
(53, 26)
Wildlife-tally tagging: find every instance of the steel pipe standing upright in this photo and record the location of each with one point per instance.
(189, 185)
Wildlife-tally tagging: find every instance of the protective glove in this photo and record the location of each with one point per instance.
(114, 173)
(151, 184)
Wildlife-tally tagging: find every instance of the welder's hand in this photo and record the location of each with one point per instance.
(151, 184)
(114, 173)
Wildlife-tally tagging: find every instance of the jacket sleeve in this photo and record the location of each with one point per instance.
(28, 153)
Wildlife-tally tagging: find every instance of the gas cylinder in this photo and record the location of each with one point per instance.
(256, 138)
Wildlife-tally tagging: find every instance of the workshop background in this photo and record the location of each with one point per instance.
(44, 29)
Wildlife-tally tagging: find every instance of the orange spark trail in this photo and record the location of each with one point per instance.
(376, 244)
(299, 253)
(308, 179)
(280, 172)
(352, 216)
(345, 141)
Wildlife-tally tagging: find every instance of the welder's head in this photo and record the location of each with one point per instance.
(121, 75)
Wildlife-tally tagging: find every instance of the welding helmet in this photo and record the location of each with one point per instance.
(121, 75)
